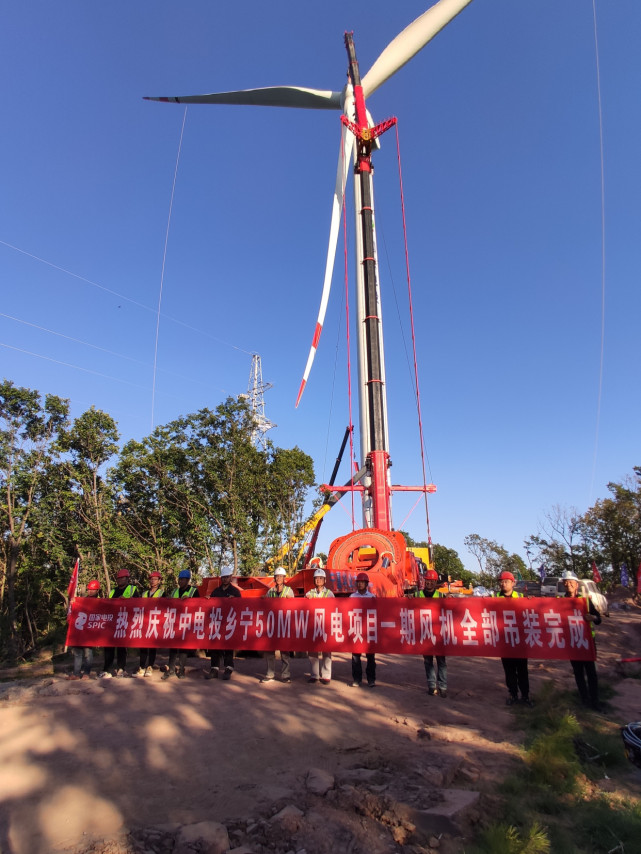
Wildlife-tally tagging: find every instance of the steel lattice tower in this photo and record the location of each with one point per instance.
(256, 399)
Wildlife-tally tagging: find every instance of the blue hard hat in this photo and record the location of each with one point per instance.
(184, 573)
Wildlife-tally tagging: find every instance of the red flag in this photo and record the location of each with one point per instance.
(596, 575)
(73, 581)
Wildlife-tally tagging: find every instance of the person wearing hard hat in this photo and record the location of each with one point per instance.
(362, 592)
(124, 589)
(435, 676)
(185, 590)
(320, 662)
(223, 659)
(516, 669)
(279, 591)
(83, 655)
(584, 671)
(148, 656)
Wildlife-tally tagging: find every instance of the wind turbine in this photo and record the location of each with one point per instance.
(359, 135)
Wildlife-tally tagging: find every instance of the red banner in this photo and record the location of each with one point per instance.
(495, 627)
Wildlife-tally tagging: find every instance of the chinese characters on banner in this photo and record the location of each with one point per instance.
(519, 628)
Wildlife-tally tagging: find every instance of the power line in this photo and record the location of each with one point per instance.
(125, 298)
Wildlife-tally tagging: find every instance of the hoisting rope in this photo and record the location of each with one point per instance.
(409, 293)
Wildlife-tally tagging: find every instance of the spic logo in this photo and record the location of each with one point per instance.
(81, 619)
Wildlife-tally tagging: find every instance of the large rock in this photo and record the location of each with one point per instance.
(359, 775)
(289, 819)
(211, 836)
(446, 816)
(289, 811)
(318, 781)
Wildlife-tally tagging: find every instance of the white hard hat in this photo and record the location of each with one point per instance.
(320, 573)
(226, 571)
(280, 570)
(568, 575)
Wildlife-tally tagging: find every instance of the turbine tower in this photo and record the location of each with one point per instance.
(255, 397)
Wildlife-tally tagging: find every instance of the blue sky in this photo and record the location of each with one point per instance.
(499, 135)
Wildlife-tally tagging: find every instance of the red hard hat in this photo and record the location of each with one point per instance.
(431, 575)
(506, 576)
(123, 573)
(362, 576)
(93, 585)
(155, 574)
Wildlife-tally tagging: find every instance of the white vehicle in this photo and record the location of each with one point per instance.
(588, 588)
(482, 591)
(551, 586)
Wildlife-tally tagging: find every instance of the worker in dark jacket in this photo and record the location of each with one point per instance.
(223, 658)
(148, 655)
(584, 671)
(83, 655)
(185, 590)
(435, 676)
(516, 670)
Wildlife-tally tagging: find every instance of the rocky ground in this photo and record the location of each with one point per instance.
(116, 766)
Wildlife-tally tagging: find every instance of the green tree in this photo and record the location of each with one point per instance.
(28, 428)
(230, 477)
(560, 542)
(199, 493)
(89, 443)
(412, 543)
(611, 529)
(448, 563)
(493, 559)
(161, 521)
(290, 474)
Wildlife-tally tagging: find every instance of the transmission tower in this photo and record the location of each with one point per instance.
(256, 400)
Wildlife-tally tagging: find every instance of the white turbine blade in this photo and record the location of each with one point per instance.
(270, 96)
(344, 160)
(408, 43)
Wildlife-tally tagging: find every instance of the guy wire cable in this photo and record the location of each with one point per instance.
(601, 359)
(162, 271)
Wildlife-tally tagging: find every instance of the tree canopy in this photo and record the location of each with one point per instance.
(197, 493)
(608, 534)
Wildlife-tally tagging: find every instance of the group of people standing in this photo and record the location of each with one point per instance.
(222, 660)
(516, 669)
(320, 662)
(125, 589)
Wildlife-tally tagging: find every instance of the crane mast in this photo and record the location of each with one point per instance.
(373, 398)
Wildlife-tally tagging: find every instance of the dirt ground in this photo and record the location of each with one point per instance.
(123, 765)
